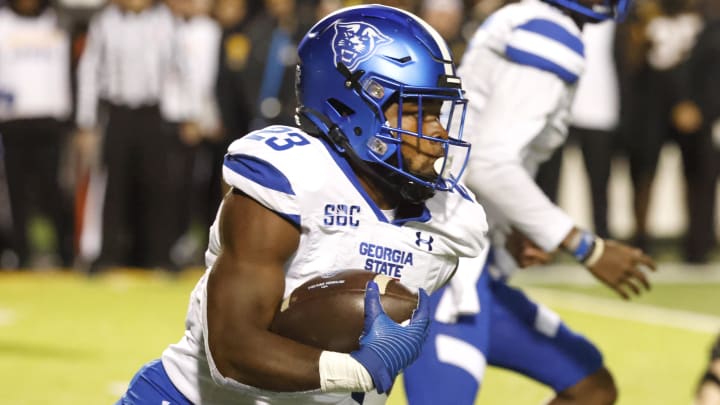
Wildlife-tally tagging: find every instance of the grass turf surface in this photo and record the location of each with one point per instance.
(67, 339)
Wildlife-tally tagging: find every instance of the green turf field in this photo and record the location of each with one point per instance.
(69, 340)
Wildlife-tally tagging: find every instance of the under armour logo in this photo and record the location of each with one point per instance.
(427, 241)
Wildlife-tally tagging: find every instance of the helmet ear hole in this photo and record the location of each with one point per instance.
(342, 109)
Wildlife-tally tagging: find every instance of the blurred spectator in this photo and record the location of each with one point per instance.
(593, 123)
(407, 5)
(631, 48)
(654, 110)
(189, 104)
(231, 94)
(75, 15)
(8, 258)
(325, 7)
(270, 67)
(446, 16)
(704, 95)
(35, 104)
(128, 56)
(231, 88)
(197, 39)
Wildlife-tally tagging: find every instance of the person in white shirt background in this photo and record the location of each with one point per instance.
(191, 113)
(128, 59)
(594, 125)
(657, 109)
(35, 108)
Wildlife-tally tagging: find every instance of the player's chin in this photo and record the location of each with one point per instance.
(431, 178)
(428, 172)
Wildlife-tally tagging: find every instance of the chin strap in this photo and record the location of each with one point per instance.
(414, 193)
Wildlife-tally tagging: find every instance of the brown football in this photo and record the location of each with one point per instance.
(328, 311)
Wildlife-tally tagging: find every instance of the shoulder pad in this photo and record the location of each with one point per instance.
(271, 166)
(259, 171)
(262, 156)
(547, 45)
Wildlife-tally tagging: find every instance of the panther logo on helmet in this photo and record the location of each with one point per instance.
(356, 42)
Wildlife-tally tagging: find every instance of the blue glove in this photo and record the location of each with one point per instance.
(386, 347)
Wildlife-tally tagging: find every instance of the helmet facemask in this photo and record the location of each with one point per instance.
(358, 62)
(385, 148)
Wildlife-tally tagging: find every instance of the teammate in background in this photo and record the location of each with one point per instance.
(708, 392)
(521, 71)
(363, 183)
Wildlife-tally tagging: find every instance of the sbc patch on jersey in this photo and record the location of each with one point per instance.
(548, 46)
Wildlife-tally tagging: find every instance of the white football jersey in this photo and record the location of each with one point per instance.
(520, 71)
(34, 67)
(306, 181)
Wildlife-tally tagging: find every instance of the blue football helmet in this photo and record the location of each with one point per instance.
(355, 63)
(609, 9)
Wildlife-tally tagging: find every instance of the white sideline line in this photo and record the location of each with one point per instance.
(631, 311)
(667, 273)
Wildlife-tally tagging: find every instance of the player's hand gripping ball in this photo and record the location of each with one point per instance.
(327, 312)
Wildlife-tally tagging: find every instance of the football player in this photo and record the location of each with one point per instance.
(521, 70)
(367, 181)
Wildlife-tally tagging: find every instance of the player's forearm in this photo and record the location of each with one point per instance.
(240, 308)
(271, 362)
(507, 189)
(265, 360)
(244, 351)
